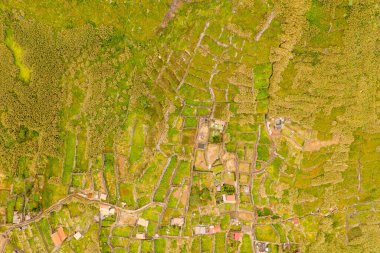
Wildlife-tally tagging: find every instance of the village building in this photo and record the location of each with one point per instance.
(279, 123)
(77, 235)
(58, 237)
(229, 199)
(245, 189)
(214, 229)
(142, 222)
(261, 247)
(106, 210)
(16, 218)
(238, 236)
(201, 230)
(177, 221)
(296, 221)
(218, 125)
(103, 196)
(140, 236)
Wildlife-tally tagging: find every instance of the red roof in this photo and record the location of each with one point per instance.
(238, 236)
(58, 237)
(214, 229)
(296, 221)
(230, 197)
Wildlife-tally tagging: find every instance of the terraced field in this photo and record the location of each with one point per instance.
(189, 126)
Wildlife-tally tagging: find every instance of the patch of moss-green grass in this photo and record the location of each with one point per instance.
(246, 245)
(266, 233)
(165, 181)
(110, 177)
(126, 194)
(69, 158)
(18, 54)
(191, 122)
(159, 245)
(137, 143)
(207, 243)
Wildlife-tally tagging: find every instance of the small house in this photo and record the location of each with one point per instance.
(142, 222)
(261, 247)
(238, 236)
(103, 196)
(77, 235)
(200, 230)
(214, 229)
(106, 210)
(229, 199)
(58, 237)
(140, 236)
(16, 218)
(177, 221)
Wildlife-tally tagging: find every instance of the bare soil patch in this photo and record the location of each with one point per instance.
(315, 145)
(200, 160)
(244, 167)
(212, 153)
(127, 218)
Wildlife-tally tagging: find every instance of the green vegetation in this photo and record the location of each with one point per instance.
(69, 158)
(159, 245)
(183, 171)
(228, 189)
(266, 233)
(110, 178)
(246, 246)
(165, 181)
(99, 114)
(18, 55)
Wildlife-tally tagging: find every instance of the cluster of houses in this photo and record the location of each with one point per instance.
(206, 128)
(106, 210)
(59, 236)
(261, 247)
(17, 217)
(274, 126)
(144, 223)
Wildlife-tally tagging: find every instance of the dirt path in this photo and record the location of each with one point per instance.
(265, 26)
(359, 178)
(194, 52)
(65, 200)
(170, 14)
(3, 243)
